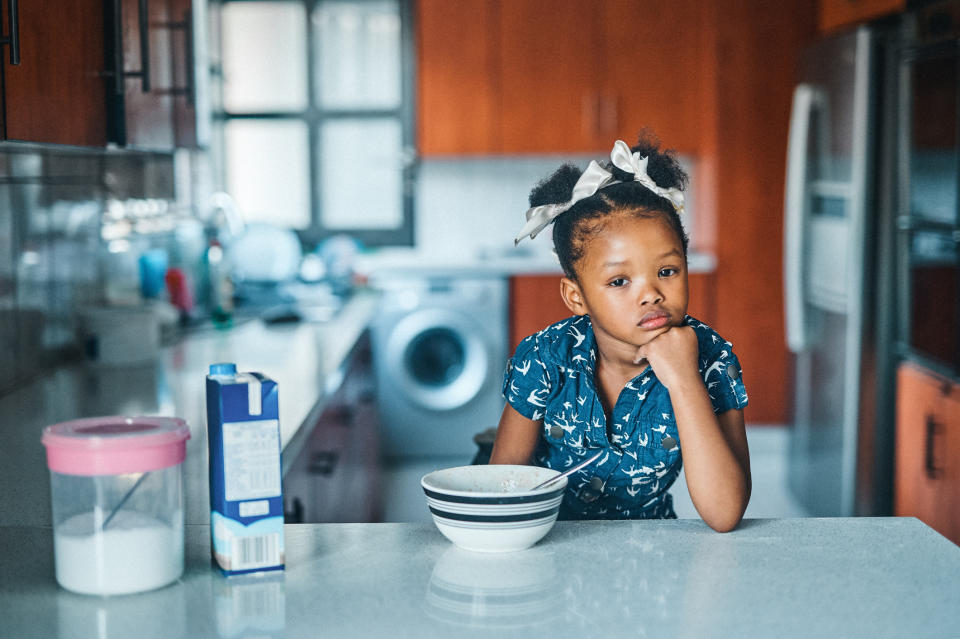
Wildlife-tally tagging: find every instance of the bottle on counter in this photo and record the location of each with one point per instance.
(219, 286)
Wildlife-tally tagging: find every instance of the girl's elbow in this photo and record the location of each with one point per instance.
(727, 519)
(726, 524)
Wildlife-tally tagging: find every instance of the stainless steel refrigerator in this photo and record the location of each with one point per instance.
(833, 223)
(871, 246)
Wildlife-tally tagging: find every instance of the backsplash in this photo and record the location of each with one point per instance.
(468, 206)
(53, 258)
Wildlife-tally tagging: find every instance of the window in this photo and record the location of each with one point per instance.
(316, 116)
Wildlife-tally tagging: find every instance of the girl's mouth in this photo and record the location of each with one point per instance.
(654, 319)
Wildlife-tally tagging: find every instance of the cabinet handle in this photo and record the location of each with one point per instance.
(13, 12)
(117, 50)
(294, 516)
(118, 73)
(144, 10)
(929, 463)
(323, 462)
(185, 25)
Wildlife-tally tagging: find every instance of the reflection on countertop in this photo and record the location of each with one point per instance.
(304, 358)
(847, 577)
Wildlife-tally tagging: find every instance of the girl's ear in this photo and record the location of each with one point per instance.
(572, 297)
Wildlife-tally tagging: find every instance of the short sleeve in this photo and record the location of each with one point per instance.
(723, 377)
(526, 384)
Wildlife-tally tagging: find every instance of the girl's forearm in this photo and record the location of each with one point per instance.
(719, 483)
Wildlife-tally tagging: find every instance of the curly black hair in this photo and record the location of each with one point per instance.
(573, 228)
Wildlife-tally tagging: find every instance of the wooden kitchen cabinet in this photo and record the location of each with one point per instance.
(836, 14)
(336, 477)
(65, 89)
(653, 70)
(457, 94)
(550, 77)
(56, 92)
(535, 303)
(538, 76)
(927, 458)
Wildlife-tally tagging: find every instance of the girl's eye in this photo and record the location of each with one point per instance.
(667, 272)
(620, 281)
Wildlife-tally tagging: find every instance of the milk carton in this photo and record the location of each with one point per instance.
(246, 502)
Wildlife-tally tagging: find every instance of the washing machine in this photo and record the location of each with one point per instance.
(439, 350)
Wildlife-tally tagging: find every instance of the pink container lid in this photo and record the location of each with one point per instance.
(115, 445)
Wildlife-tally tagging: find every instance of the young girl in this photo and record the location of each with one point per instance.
(630, 373)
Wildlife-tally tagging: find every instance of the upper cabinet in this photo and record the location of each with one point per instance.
(836, 14)
(489, 82)
(53, 69)
(95, 72)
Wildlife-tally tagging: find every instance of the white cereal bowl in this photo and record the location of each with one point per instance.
(493, 508)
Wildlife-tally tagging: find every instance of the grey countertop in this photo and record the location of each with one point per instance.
(305, 359)
(866, 577)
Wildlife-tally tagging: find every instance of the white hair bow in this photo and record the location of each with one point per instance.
(593, 179)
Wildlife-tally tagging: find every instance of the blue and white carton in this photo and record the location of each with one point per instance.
(246, 499)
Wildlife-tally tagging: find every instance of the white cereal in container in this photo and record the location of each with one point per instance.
(117, 493)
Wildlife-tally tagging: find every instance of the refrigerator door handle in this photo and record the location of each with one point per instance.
(805, 97)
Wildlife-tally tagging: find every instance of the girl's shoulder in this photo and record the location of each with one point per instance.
(709, 340)
(560, 341)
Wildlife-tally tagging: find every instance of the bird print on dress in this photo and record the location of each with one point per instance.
(643, 451)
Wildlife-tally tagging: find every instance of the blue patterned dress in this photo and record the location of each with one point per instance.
(551, 378)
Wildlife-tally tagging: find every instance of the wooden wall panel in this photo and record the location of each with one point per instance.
(757, 49)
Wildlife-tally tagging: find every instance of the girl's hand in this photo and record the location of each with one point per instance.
(673, 356)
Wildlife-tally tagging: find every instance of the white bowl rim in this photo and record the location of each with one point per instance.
(561, 485)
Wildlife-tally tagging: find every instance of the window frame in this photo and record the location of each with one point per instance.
(315, 115)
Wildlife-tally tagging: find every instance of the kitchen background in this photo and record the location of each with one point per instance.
(207, 161)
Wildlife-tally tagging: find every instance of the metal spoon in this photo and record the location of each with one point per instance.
(569, 471)
(120, 504)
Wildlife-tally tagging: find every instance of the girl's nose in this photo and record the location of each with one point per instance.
(650, 294)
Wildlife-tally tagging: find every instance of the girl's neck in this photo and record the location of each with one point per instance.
(616, 358)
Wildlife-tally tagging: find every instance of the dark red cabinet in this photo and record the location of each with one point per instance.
(55, 91)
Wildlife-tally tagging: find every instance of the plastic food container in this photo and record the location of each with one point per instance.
(116, 486)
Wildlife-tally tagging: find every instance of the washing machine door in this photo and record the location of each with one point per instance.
(438, 358)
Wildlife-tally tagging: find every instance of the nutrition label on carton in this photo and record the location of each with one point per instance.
(250, 459)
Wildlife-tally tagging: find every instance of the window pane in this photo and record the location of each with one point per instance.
(267, 170)
(361, 164)
(264, 56)
(358, 54)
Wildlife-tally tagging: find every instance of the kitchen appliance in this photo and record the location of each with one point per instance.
(439, 351)
(824, 264)
(855, 181)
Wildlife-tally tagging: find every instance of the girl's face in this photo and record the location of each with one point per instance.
(632, 282)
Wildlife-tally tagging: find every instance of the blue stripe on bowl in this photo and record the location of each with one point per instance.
(540, 514)
(506, 499)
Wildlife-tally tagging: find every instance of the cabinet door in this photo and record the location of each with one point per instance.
(550, 77)
(653, 72)
(148, 107)
(456, 76)
(927, 460)
(56, 93)
(950, 463)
